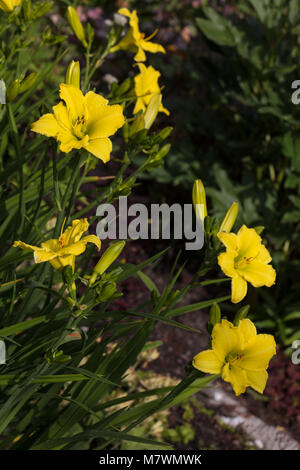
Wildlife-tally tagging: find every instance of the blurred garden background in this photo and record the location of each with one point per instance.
(228, 79)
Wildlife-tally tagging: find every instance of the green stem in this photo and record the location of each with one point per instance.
(87, 67)
(19, 220)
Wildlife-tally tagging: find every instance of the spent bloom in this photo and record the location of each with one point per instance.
(84, 121)
(239, 354)
(134, 40)
(9, 5)
(246, 260)
(146, 86)
(61, 252)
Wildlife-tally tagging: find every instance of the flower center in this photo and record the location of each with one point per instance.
(243, 262)
(233, 358)
(79, 127)
(62, 241)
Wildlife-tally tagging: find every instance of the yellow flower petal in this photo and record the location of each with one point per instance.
(75, 232)
(257, 379)
(152, 47)
(226, 263)
(207, 361)
(225, 339)
(229, 240)
(46, 125)
(236, 377)
(258, 274)
(74, 100)
(68, 142)
(140, 55)
(249, 242)
(74, 249)
(247, 330)
(257, 355)
(264, 256)
(92, 239)
(62, 117)
(124, 12)
(25, 246)
(101, 148)
(103, 120)
(238, 289)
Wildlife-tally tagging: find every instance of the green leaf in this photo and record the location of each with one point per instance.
(217, 33)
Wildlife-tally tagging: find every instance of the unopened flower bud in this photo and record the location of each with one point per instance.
(199, 200)
(109, 256)
(152, 110)
(13, 90)
(73, 74)
(137, 125)
(241, 314)
(76, 25)
(28, 82)
(215, 314)
(229, 218)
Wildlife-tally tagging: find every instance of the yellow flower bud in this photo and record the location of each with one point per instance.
(76, 25)
(108, 257)
(199, 200)
(73, 74)
(152, 110)
(229, 218)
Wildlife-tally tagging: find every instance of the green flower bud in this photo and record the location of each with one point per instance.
(76, 25)
(13, 90)
(240, 314)
(165, 132)
(28, 82)
(109, 256)
(215, 314)
(107, 291)
(137, 125)
(259, 229)
(73, 74)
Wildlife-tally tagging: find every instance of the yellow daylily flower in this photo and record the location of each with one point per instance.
(246, 260)
(9, 5)
(146, 86)
(239, 354)
(134, 40)
(84, 121)
(61, 252)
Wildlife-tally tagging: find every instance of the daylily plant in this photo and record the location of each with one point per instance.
(9, 5)
(246, 260)
(84, 121)
(239, 354)
(61, 252)
(134, 40)
(146, 86)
